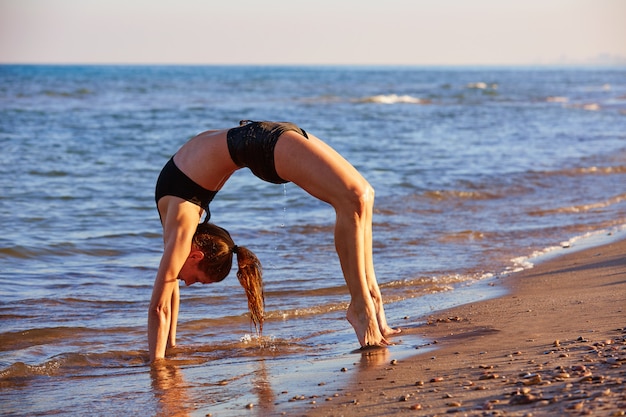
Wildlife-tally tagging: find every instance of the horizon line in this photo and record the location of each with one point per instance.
(380, 65)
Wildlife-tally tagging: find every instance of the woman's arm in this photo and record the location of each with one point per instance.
(160, 313)
(174, 320)
(180, 220)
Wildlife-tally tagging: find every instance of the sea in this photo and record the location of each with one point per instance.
(477, 171)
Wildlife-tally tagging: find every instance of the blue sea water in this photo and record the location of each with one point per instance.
(475, 169)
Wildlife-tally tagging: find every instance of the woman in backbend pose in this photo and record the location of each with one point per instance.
(203, 252)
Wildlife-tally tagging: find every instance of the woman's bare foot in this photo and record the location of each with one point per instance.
(385, 330)
(389, 331)
(366, 327)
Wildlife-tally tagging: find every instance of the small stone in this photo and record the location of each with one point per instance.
(249, 406)
(519, 399)
(454, 404)
(419, 407)
(419, 383)
(577, 406)
(344, 369)
(534, 379)
(404, 398)
(436, 379)
(394, 362)
(556, 343)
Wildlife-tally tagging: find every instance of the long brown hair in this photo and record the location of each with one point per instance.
(218, 247)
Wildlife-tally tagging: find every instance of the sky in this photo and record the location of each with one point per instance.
(314, 32)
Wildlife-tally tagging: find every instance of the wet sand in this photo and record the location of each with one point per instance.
(554, 345)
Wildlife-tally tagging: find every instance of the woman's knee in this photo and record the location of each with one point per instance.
(358, 199)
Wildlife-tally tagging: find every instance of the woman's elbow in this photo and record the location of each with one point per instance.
(158, 311)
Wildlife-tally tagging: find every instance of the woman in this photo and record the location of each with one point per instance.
(274, 152)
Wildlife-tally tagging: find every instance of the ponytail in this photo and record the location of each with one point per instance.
(250, 277)
(218, 247)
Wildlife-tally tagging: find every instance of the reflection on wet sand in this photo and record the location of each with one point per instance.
(373, 356)
(263, 389)
(176, 397)
(170, 390)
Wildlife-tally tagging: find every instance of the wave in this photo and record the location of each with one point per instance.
(481, 86)
(557, 99)
(392, 99)
(77, 93)
(588, 239)
(581, 207)
(592, 170)
(463, 235)
(24, 339)
(59, 249)
(459, 194)
(67, 362)
(95, 364)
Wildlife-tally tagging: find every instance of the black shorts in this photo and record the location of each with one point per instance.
(252, 145)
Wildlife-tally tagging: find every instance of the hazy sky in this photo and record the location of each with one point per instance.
(420, 32)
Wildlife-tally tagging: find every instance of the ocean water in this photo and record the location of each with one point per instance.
(475, 170)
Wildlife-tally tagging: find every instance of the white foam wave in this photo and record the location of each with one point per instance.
(579, 242)
(392, 99)
(482, 86)
(557, 99)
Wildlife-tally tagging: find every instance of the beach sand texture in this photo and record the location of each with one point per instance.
(554, 345)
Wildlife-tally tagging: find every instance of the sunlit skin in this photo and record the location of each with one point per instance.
(316, 168)
(190, 274)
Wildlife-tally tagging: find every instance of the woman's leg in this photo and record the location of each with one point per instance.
(370, 274)
(350, 246)
(326, 175)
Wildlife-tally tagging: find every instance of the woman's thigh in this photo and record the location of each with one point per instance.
(317, 168)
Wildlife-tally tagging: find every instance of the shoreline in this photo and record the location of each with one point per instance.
(553, 344)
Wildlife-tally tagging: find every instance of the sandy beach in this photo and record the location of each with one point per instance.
(554, 345)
